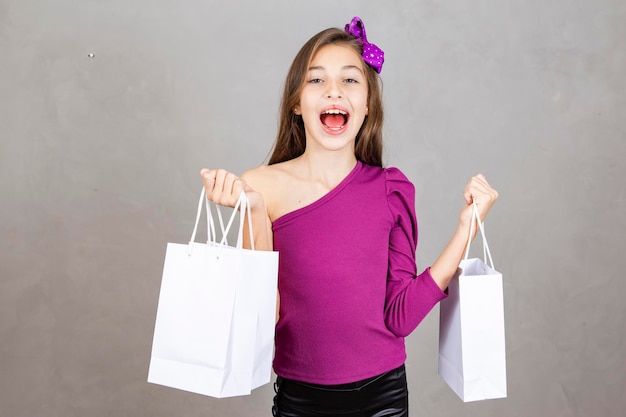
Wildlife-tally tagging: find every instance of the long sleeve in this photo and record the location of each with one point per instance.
(409, 297)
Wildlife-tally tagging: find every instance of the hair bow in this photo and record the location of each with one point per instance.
(372, 54)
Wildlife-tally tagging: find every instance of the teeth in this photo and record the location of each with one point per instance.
(335, 111)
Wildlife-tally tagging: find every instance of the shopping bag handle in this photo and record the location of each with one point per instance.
(211, 236)
(242, 207)
(481, 226)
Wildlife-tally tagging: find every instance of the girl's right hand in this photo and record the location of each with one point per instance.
(224, 188)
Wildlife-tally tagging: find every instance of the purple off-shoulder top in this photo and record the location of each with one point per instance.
(349, 291)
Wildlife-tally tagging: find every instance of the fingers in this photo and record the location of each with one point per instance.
(478, 190)
(222, 187)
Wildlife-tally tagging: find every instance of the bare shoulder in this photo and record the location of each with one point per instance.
(274, 183)
(265, 176)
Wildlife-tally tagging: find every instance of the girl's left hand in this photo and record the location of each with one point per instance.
(477, 190)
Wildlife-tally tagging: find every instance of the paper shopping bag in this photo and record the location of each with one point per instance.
(213, 334)
(472, 358)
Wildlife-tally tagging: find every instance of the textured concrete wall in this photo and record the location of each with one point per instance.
(99, 162)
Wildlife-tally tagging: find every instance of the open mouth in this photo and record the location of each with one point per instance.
(334, 119)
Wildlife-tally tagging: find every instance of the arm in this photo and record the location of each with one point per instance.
(224, 188)
(446, 265)
(410, 297)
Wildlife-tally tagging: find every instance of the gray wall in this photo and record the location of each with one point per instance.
(99, 162)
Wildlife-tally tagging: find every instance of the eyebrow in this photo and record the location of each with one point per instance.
(346, 67)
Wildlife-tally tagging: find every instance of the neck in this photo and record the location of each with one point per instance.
(329, 168)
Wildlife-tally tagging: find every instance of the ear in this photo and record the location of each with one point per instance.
(296, 110)
(367, 110)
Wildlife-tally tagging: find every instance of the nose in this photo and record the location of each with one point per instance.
(333, 90)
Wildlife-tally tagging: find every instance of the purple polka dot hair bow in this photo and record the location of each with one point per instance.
(372, 54)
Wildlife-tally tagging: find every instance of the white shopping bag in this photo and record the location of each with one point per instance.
(472, 357)
(214, 329)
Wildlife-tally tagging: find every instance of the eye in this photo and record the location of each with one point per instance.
(350, 81)
(315, 80)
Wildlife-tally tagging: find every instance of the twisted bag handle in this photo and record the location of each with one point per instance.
(476, 220)
(242, 207)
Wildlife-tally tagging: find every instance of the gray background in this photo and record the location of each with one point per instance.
(99, 162)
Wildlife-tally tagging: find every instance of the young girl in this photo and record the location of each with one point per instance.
(346, 232)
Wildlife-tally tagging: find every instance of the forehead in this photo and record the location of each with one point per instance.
(336, 56)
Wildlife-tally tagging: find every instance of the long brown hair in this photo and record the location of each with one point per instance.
(291, 138)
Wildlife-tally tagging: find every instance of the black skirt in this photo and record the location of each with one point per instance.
(384, 395)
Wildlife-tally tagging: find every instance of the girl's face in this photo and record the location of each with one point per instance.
(333, 101)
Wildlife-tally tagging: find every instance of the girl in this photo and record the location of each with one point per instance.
(346, 231)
